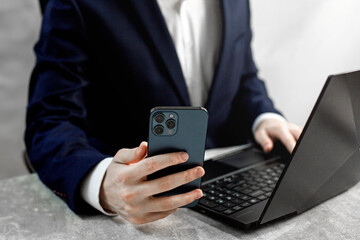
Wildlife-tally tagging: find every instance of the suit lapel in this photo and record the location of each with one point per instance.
(151, 17)
(231, 31)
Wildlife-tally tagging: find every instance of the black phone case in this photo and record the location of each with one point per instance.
(190, 137)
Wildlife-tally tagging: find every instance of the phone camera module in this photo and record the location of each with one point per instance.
(159, 129)
(170, 124)
(159, 118)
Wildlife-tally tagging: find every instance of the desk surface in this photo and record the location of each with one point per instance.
(30, 211)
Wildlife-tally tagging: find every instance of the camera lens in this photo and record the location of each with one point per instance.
(159, 130)
(159, 118)
(170, 123)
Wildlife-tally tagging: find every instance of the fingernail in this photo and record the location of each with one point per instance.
(199, 172)
(184, 156)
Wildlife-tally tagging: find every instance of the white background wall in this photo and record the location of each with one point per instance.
(297, 43)
(19, 28)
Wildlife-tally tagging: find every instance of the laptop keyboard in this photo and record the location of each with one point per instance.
(240, 190)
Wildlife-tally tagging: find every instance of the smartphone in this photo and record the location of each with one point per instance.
(175, 129)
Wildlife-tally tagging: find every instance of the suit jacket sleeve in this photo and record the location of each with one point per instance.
(55, 138)
(253, 96)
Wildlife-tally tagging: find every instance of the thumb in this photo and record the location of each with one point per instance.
(264, 140)
(133, 155)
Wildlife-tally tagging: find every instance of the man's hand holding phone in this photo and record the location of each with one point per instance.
(126, 191)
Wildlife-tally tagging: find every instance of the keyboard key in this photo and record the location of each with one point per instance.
(227, 179)
(247, 191)
(251, 182)
(256, 193)
(228, 212)
(228, 198)
(262, 173)
(241, 187)
(233, 185)
(254, 200)
(262, 185)
(211, 198)
(269, 181)
(212, 191)
(259, 180)
(221, 195)
(255, 187)
(219, 181)
(207, 203)
(244, 197)
(235, 176)
(236, 194)
(237, 208)
(237, 201)
(245, 204)
(248, 178)
(229, 192)
(229, 204)
(267, 189)
(262, 197)
(220, 208)
(244, 174)
(268, 194)
(220, 201)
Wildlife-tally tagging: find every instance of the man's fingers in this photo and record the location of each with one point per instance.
(172, 181)
(161, 204)
(133, 155)
(295, 130)
(286, 138)
(264, 140)
(156, 163)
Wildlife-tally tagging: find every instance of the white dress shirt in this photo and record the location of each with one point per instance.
(196, 30)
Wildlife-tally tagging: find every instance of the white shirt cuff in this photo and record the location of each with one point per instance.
(264, 116)
(90, 186)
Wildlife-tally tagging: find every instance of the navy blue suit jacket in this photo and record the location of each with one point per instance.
(102, 65)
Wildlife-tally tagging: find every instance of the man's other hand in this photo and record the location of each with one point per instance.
(271, 130)
(126, 191)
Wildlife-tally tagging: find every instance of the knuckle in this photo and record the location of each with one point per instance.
(123, 178)
(121, 151)
(164, 184)
(128, 196)
(151, 165)
(187, 176)
(167, 204)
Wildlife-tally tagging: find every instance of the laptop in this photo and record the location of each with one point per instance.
(248, 188)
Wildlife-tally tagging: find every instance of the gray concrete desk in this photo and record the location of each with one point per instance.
(28, 210)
